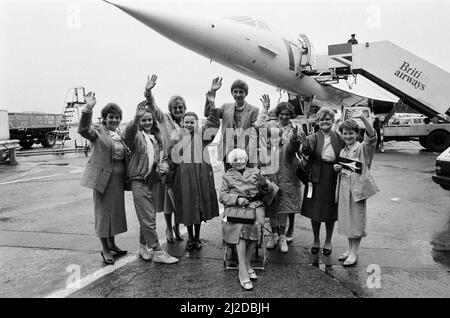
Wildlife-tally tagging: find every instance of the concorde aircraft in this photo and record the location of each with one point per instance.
(248, 46)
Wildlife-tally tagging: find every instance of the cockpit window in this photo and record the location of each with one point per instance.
(263, 25)
(250, 21)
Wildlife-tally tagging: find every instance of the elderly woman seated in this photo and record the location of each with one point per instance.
(244, 187)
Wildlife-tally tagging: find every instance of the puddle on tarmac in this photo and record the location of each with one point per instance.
(441, 247)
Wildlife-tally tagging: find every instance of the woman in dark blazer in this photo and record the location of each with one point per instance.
(105, 173)
(323, 148)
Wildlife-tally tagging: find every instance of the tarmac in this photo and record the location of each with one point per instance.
(48, 247)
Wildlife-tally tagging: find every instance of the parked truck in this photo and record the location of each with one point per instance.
(432, 134)
(31, 127)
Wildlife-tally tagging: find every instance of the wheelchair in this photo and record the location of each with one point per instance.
(259, 258)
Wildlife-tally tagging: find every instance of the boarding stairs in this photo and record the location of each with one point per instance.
(418, 83)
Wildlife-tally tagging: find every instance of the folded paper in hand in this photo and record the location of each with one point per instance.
(351, 164)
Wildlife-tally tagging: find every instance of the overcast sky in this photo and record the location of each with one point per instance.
(48, 47)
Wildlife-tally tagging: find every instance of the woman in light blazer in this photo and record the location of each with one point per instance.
(355, 187)
(105, 173)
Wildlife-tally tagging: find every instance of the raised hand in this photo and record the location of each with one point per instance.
(90, 100)
(260, 180)
(210, 98)
(151, 82)
(354, 113)
(265, 100)
(216, 84)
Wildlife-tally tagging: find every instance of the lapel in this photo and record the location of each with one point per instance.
(230, 117)
(109, 142)
(245, 114)
(335, 143)
(320, 142)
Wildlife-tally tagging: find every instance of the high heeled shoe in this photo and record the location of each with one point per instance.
(326, 251)
(118, 252)
(343, 257)
(107, 261)
(315, 250)
(347, 263)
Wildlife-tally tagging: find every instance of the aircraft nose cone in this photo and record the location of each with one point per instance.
(188, 31)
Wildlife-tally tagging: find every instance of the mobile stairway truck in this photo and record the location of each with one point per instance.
(421, 85)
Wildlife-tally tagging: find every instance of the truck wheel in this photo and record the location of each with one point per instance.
(438, 140)
(423, 141)
(49, 140)
(26, 144)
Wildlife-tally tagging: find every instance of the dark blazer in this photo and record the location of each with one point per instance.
(226, 113)
(99, 167)
(313, 148)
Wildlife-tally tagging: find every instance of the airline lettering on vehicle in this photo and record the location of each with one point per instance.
(411, 75)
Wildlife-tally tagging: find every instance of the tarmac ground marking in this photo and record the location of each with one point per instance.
(99, 274)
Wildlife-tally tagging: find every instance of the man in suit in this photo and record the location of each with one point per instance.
(238, 121)
(353, 40)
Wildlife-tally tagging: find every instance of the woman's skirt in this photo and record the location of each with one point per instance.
(352, 215)
(109, 207)
(321, 207)
(233, 232)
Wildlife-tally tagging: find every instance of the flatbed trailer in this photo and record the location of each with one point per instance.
(30, 128)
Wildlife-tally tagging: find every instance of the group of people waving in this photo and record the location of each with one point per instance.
(163, 159)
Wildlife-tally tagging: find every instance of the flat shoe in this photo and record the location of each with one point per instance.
(343, 257)
(198, 244)
(315, 250)
(350, 264)
(247, 285)
(107, 261)
(326, 251)
(189, 245)
(252, 274)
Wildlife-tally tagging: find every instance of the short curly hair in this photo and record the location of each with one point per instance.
(349, 124)
(239, 84)
(284, 106)
(323, 111)
(110, 108)
(236, 154)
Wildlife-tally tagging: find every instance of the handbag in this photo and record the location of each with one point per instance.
(237, 214)
(303, 170)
